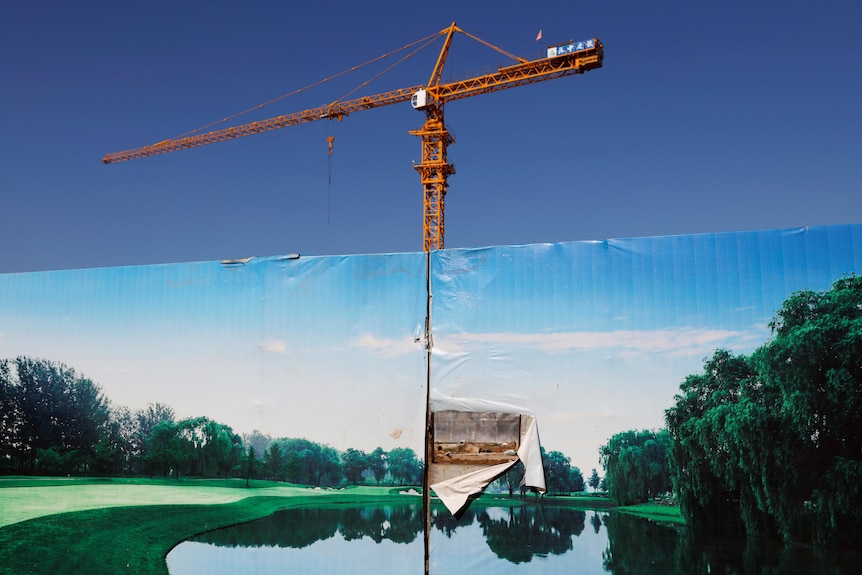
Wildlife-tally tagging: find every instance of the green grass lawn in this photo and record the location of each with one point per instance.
(574, 501)
(128, 526)
(23, 499)
(655, 511)
(51, 526)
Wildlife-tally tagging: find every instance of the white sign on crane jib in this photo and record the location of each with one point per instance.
(569, 48)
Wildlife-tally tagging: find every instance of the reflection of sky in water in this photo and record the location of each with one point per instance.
(468, 552)
(333, 555)
(465, 551)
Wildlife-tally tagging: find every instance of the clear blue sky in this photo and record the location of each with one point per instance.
(707, 116)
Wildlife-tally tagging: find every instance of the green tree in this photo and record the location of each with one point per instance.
(10, 417)
(195, 446)
(560, 477)
(636, 465)
(404, 466)
(88, 413)
(813, 363)
(106, 459)
(377, 464)
(576, 480)
(274, 464)
(309, 462)
(53, 461)
(302, 459)
(293, 468)
(594, 480)
(775, 439)
(556, 471)
(167, 450)
(48, 404)
(144, 422)
(222, 449)
(120, 434)
(353, 463)
(329, 469)
(251, 464)
(704, 427)
(193, 431)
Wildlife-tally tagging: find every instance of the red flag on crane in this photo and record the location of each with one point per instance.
(539, 36)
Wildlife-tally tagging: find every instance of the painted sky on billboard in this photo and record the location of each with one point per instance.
(593, 338)
(596, 337)
(321, 348)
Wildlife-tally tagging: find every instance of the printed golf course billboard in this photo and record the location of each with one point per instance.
(148, 406)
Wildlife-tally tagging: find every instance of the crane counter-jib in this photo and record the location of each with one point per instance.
(568, 61)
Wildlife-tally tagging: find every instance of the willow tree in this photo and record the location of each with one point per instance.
(774, 440)
(709, 426)
(636, 465)
(814, 365)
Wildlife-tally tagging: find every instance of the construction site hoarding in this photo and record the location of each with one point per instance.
(581, 340)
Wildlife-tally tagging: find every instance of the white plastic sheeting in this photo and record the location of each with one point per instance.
(456, 492)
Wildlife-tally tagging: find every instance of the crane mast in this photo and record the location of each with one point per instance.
(434, 167)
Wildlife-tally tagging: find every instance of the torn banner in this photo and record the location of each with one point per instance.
(464, 469)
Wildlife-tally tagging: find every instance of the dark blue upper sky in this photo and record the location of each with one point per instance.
(707, 117)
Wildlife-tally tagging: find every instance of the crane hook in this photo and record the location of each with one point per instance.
(329, 140)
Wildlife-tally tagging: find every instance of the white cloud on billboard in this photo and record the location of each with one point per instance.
(273, 346)
(686, 341)
(387, 347)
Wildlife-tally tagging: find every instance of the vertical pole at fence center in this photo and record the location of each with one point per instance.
(426, 489)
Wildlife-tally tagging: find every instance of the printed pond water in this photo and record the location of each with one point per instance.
(531, 539)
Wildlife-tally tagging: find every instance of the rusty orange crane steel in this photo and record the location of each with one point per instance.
(434, 168)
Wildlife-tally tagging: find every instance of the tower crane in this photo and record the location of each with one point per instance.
(434, 167)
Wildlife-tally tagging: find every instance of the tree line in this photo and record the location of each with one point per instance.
(55, 421)
(766, 444)
(561, 477)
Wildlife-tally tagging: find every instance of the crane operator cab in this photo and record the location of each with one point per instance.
(420, 99)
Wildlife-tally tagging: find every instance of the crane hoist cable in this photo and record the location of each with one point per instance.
(428, 40)
(389, 68)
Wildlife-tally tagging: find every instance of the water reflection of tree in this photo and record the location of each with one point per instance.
(525, 532)
(739, 555)
(298, 528)
(530, 531)
(637, 546)
(405, 524)
(596, 522)
(518, 534)
(359, 522)
(640, 547)
(447, 524)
